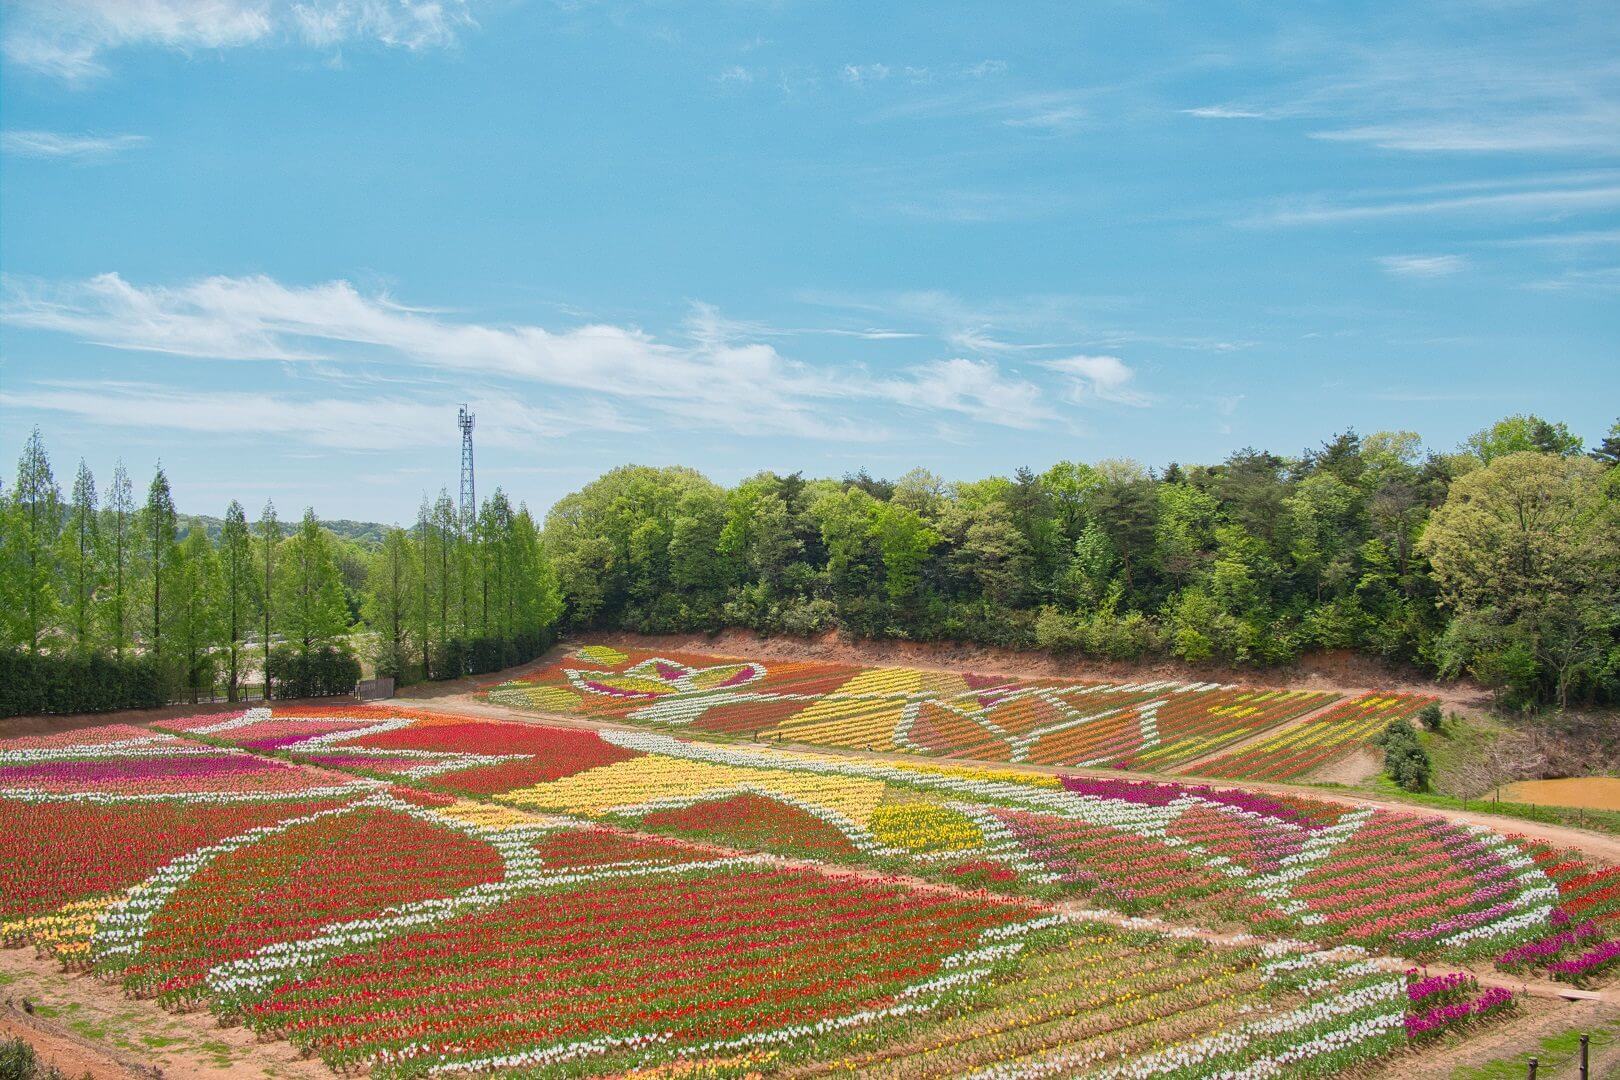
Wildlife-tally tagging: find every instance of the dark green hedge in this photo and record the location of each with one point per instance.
(317, 673)
(455, 658)
(33, 683)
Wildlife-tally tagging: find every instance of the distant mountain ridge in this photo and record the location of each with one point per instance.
(367, 534)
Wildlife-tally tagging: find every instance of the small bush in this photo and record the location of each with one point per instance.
(1430, 717)
(1405, 760)
(18, 1061)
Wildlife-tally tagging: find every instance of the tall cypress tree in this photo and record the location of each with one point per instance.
(119, 523)
(269, 537)
(239, 591)
(159, 531)
(309, 595)
(194, 607)
(80, 559)
(36, 523)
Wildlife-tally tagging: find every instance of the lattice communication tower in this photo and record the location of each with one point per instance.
(469, 500)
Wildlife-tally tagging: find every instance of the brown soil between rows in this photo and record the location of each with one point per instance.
(82, 1024)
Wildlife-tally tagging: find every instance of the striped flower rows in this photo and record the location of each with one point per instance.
(1146, 725)
(1319, 741)
(408, 928)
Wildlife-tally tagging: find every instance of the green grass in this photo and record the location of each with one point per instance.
(1551, 1052)
(1607, 821)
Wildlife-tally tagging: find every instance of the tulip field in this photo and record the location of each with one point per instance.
(416, 892)
(1317, 741)
(1154, 726)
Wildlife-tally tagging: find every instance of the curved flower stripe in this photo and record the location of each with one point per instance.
(242, 980)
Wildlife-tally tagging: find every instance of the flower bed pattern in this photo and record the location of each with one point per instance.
(1152, 725)
(461, 917)
(1317, 742)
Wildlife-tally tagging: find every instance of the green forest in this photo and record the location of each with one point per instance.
(1498, 561)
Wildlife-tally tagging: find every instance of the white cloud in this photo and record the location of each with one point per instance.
(338, 423)
(865, 73)
(1423, 266)
(1527, 196)
(69, 38)
(735, 74)
(1593, 131)
(723, 379)
(1224, 112)
(51, 144)
(1098, 378)
(976, 388)
(1054, 120)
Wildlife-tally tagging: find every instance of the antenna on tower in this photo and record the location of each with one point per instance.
(469, 501)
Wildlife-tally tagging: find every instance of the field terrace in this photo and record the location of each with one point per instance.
(1154, 726)
(426, 892)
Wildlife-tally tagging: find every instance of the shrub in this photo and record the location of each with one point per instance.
(18, 1061)
(317, 673)
(1430, 716)
(47, 683)
(1405, 760)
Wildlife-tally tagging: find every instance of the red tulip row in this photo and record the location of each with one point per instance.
(709, 956)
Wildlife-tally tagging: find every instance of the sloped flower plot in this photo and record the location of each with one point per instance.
(1155, 725)
(450, 894)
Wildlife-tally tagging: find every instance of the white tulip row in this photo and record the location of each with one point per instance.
(357, 786)
(155, 746)
(123, 926)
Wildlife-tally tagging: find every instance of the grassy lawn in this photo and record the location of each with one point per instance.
(1552, 1052)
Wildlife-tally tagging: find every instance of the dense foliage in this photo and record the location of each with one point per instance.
(1367, 543)
(1500, 561)
(114, 604)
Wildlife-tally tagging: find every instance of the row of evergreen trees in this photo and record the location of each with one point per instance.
(106, 601)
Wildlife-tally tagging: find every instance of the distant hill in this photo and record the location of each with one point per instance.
(367, 534)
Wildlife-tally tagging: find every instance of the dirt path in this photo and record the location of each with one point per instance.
(82, 1024)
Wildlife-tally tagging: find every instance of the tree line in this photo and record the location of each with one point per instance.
(108, 602)
(1500, 560)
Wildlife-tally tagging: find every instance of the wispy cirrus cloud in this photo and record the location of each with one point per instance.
(1225, 112)
(1477, 79)
(1098, 378)
(1423, 266)
(381, 423)
(58, 145)
(975, 388)
(723, 378)
(70, 39)
(1541, 195)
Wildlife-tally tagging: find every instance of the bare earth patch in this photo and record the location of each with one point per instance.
(1353, 770)
(1580, 792)
(81, 1024)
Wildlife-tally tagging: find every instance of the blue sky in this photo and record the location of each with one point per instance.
(274, 244)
